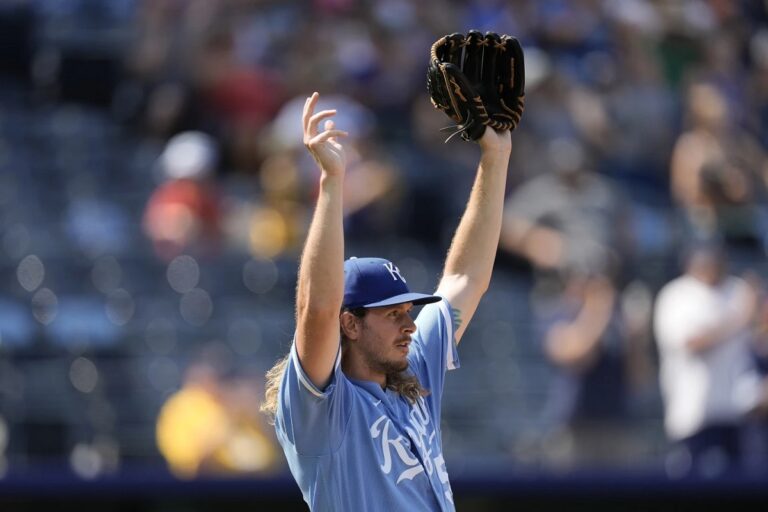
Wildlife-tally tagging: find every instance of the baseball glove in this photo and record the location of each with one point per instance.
(478, 81)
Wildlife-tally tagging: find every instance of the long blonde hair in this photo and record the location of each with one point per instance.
(272, 387)
(406, 385)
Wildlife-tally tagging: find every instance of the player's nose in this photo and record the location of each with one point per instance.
(409, 325)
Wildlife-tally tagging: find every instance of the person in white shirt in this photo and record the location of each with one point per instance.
(708, 379)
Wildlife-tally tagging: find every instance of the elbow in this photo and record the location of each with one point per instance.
(473, 285)
(308, 311)
(480, 287)
(313, 313)
(698, 344)
(565, 347)
(574, 361)
(482, 281)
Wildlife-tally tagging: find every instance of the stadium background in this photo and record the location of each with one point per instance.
(102, 313)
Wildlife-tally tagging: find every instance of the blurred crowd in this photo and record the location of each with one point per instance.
(636, 223)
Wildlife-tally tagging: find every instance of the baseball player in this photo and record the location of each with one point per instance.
(356, 403)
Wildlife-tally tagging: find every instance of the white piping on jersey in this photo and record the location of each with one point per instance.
(303, 378)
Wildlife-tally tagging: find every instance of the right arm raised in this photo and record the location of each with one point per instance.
(320, 289)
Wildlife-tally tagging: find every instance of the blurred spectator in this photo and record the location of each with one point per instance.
(193, 67)
(288, 184)
(715, 173)
(568, 218)
(241, 97)
(431, 176)
(757, 437)
(758, 89)
(183, 213)
(636, 138)
(158, 88)
(708, 379)
(212, 426)
(592, 343)
(96, 226)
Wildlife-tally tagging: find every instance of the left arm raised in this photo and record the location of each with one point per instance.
(469, 263)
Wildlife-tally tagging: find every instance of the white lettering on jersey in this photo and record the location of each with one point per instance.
(421, 436)
(394, 271)
(418, 432)
(443, 474)
(398, 444)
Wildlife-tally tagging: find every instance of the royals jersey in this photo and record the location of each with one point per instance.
(354, 446)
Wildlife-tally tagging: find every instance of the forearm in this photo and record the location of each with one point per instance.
(469, 263)
(321, 273)
(474, 245)
(574, 344)
(542, 246)
(712, 338)
(738, 321)
(570, 346)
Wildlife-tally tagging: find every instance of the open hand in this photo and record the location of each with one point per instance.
(323, 146)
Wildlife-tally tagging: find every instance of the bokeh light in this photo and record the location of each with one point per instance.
(183, 273)
(244, 336)
(30, 272)
(86, 461)
(196, 306)
(260, 275)
(120, 307)
(45, 306)
(83, 375)
(163, 374)
(106, 274)
(160, 336)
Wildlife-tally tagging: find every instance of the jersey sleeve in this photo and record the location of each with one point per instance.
(433, 350)
(313, 420)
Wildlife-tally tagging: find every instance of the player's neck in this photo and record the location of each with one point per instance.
(355, 367)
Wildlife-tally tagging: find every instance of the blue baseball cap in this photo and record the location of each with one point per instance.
(375, 282)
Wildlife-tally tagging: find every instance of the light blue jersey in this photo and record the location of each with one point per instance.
(355, 447)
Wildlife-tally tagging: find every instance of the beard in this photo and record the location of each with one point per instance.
(381, 364)
(375, 351)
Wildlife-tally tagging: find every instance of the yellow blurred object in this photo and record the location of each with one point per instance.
(274, 230)
(279, 178)
(197, 434)
(191, 424)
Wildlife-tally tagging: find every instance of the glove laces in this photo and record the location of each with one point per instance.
(460, 128)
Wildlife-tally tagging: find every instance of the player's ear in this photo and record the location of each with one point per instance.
(350, 325)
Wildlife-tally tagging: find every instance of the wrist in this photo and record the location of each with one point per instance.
(494, 157)
(330, 180)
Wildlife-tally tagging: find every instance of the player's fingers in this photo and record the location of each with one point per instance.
(516, 75)
(330, 125)
(322, 137)
(309, 107)
(473, 56)
(455, 49)
(315, 119)
(492, 47)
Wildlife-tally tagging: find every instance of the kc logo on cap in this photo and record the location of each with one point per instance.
(394, 271)
(375, 282)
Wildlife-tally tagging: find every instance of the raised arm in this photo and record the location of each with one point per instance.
(469, 263)
(320, 289)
